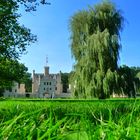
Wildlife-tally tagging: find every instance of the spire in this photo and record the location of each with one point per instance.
(46, 60)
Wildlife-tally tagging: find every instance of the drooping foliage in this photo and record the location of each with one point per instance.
(95, 45)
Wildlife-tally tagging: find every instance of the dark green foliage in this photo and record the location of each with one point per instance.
(95, 46)
(129, 83)
(65, 81)
(27, 80)
(11, 70)
(13, 37)
(136, 74)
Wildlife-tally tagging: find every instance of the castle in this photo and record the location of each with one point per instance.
(46, 84)
(17, 90)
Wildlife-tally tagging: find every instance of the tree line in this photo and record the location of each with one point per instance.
(95, 46)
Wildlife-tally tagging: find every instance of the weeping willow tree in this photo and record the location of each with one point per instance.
(95, 45)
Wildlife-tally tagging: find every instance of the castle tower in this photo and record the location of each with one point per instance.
(46, 71)
(46, 68)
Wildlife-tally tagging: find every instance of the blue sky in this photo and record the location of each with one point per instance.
(51, 25)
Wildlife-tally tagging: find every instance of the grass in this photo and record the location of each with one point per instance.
(69, 120)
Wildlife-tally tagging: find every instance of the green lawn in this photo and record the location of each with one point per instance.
(69, 120)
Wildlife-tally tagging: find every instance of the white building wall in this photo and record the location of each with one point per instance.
(15, 91)
(46, 87)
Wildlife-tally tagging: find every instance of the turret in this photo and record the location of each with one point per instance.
(46, 71)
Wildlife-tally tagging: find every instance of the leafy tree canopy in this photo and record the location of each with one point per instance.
(11, 70)
(95, 45)
(14, 38)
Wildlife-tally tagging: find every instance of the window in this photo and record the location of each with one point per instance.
(44, 89)
(50, 88)
(47, 83)
(15, 90)
(44, 83)
(10, 89)
(50, 83)
(55, 88)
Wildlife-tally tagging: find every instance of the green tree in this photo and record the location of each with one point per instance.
(129, 83)
(27, 80)
(136, 74)
(11, 70)
(13, 37)
(65, 81)
(95, 45)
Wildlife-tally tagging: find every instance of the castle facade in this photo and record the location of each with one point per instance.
(46, 85)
